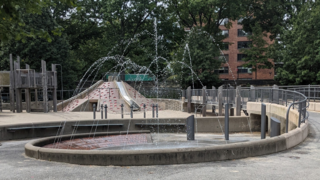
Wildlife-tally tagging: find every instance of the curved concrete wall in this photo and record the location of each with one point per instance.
(314, 106)
(205, 125)
(277, 111)
(179, 155)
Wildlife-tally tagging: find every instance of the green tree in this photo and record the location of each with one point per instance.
(12, 24)
(298, 48)
(206, 17)
(33, 50)
(272, 15)
(256, 57)
(202, 53)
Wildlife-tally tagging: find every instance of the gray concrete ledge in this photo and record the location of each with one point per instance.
(205, 125)
(167, 156)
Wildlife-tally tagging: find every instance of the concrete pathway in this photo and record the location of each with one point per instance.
(8, 118)
(301, 162)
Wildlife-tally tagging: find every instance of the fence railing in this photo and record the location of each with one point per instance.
(312, 92)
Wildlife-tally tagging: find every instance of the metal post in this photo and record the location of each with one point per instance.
(286, 98)
(101, 109)
(94, 111)
(220, 99)
(121, 111)
(144, 112)
(204, 102)
(300, 113)
(293, 102)
(152, 110)
(105, 111)
(263, 121)
(189, 99)
(314, 94)
(12, 85)
(190, 127)
(309, 95)
(226, 122)
(157, 111)
(131, 111)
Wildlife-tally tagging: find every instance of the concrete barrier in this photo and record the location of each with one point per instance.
(237, 124)
(181, 155)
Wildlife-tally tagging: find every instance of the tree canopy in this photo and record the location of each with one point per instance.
(182, 36)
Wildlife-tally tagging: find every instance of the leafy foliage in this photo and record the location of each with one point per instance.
(12, 24)
(202, 51)
(256, 57)
(298, 48)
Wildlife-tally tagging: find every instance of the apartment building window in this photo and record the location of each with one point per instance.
(242, 33)
(224, 21)
(225, 46)
(242, 69)
(241, 56)
(223, 70)
(225, 33)
(244, 44)
(240, 21)
(224, 58)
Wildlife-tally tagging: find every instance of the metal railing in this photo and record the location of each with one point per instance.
(312, 92)
(289, 98)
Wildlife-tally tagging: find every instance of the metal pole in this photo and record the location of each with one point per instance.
(121, 111)
(94, 111)
(152, 110)
(157, 110)
(131, 112)
(144, 110)
(286, 98)
(263, 121)
(293, 101)
(105, 111)
(226, 122)
(101, 109)
(300, 113)
(190, 127)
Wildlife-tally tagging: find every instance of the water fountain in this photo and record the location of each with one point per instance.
(149, 140)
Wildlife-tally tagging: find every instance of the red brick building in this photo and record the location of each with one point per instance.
(238, 39)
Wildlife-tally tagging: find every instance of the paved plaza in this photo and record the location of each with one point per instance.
(300, 162)
(8, 118)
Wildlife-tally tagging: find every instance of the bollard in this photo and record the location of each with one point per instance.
(131, 113)
(263, 121)
(94, 111)
(213, 109)
(105, 111)
(226, 121)
(121, 111)
(144, 113)
(156, 110)
(275, 127)
(101, 109)
(152, 110)
(190, 127)
(231, 111)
